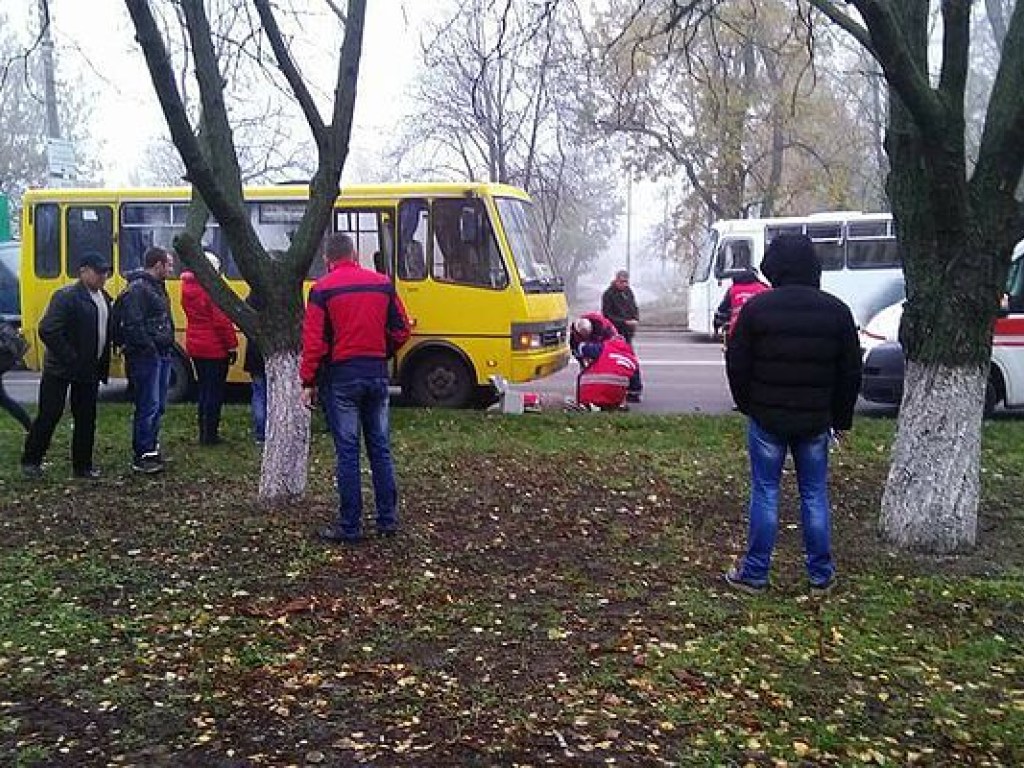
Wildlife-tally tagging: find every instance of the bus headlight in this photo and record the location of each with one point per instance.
(527, 340)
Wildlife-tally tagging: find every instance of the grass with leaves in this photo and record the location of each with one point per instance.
(554, 599)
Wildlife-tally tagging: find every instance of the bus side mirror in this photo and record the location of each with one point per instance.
(469, 226)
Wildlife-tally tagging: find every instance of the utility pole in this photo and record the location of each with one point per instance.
(49, 82)
(629, 223)
(60, 153)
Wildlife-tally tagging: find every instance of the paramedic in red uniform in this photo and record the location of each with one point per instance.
(359, 311)
(745, 286)
(609, 365)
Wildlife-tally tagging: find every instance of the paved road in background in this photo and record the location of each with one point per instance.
(683, 373)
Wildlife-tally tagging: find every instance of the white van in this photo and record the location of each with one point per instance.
(883, 355)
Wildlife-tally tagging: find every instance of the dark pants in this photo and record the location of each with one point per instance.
(636, 384)
(53, 393)
(211, 378)
(13, 407)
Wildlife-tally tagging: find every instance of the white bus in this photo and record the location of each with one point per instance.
(859, 256)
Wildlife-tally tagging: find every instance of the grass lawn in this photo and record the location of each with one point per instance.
(554, 599)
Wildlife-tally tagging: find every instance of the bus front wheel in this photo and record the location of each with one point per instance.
(441, 380)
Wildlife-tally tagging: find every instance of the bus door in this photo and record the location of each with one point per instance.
(372, 229)
(735, 255)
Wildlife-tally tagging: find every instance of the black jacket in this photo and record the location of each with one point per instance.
(794, 361)
(253, 364)
(148, 328)
(68, 330)
(620, 306)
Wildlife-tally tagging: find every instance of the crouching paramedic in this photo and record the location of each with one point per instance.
(609, 364)
(359, 311)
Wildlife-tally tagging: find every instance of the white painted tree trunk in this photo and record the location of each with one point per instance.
(286, 451)
(931, 496)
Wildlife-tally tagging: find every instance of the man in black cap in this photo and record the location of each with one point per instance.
(794, 369)
(76, 333)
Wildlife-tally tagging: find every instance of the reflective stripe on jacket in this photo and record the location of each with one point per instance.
(605, 381)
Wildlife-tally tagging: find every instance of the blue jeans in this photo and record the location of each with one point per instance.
(150, 376)
(362, 405)
(767, 456)
(258, 406)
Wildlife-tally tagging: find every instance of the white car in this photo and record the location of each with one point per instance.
(883, 356)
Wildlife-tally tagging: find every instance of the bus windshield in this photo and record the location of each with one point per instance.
(705, 256)
(530, 252)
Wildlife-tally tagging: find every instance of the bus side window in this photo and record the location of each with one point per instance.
(90, 230)
(369, 237)
(828, 245)
(413, 229)
(733, 256)
(47, 240)
(871, 245)
(469, 254)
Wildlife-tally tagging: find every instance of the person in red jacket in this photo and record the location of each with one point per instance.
(745, 286)
(211, 342)
(354, 322)
(609, 364)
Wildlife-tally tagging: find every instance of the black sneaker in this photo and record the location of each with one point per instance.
(148, 465)
(88, 474)
(32, 471)
(332, 536)
(738, 582)
(633, 397)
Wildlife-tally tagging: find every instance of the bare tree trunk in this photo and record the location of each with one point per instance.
(286, 452)
(931, 496)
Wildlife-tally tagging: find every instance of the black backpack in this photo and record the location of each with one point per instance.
(12, 346)
(117, 314)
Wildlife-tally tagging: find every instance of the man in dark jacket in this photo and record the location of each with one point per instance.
(76, 332)
(148, 339)
(794, 369)
(618, 304)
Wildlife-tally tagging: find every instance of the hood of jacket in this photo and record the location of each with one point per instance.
(791, 260)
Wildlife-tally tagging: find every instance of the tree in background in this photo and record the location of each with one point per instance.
(208, 151)
(731, 98)
(957, 221)
(498, 100)
(22, 118)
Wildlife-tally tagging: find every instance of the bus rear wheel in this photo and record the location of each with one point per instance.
(441, 380)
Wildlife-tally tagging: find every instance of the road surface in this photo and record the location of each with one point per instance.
(682, 373)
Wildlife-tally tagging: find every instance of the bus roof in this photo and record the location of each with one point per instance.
(270, 192)
(731, 226)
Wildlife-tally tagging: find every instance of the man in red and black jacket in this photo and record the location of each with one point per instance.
(354, 322)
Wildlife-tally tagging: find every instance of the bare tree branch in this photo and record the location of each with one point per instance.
(289, 70)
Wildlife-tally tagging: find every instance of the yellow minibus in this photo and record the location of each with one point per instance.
(468, 260)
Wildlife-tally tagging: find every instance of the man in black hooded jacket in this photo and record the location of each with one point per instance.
(794, 369)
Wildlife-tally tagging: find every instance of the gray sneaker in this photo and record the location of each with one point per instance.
(824, 589)
(736, 581)
(32, 471)
(148, 465)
